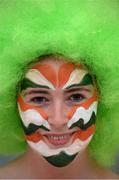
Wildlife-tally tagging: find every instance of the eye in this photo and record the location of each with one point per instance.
(77, 97)
(39, 100)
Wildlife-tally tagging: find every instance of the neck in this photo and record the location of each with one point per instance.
(82, 166)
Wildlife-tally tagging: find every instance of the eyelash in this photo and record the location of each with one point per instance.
(42, 100)
(39, 100)
(76, 98)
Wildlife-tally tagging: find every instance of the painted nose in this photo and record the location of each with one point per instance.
(58, 119)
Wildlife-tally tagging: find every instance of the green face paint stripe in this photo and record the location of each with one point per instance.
(61, 160)
(32, 128)
(26, 83)
(82, 126)
(87, 79)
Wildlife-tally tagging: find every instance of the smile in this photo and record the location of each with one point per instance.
(58, 139)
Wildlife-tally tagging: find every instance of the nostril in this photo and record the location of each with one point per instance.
(58, 122)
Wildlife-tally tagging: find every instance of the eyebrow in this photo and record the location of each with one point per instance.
(78, 88)
(36, 92)
(87, 80)
(26, 83)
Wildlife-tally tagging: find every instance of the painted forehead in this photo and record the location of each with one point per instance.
(50, 76)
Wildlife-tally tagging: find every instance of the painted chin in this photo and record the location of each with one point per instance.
(59, 149)
(61, 160)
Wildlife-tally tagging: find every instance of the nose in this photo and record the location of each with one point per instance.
(58, 119)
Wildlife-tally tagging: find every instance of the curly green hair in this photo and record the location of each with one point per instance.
(85, 31)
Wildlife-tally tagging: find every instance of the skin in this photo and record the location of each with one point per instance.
(33, 166)
(58, 109)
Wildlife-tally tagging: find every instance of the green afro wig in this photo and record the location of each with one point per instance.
(81, 30)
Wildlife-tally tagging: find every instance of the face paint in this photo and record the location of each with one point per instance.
(32, 117)
(35, 116)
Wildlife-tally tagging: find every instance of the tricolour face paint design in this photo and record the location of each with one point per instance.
(81, 113)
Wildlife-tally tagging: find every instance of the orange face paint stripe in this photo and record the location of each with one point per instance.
(64, 73)
(35, 137)
(85, 104)
(24, 107)
(47, 71)
(83, 135)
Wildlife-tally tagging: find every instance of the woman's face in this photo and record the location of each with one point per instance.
(58, 104)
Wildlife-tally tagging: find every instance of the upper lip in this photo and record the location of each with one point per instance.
(58, 134)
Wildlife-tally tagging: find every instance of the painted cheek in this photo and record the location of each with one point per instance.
(85, 104)
(36, 136)
(84, 135)
(24, 107)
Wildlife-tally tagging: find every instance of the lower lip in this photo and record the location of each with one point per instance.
(59, 142)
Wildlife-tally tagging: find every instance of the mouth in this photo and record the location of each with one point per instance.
(58, 140)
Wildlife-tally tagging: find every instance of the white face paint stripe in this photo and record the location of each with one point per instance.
(82, 113)
(35, 76)
(32, 116)
(46, 151)
(75, 77)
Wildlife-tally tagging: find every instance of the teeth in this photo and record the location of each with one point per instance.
(57, 137)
